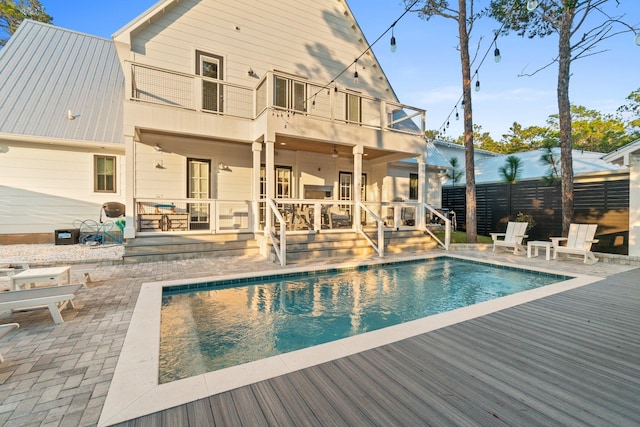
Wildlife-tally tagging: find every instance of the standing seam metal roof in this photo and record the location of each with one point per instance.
(46, 71)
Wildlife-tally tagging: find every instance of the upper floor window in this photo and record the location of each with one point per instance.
(210, 66)
(104, 174)
(353, 108)
(289, 94)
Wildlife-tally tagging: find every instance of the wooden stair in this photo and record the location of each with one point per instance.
(307, 247)
(169, 248)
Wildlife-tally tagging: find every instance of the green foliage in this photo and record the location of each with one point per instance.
(12, 13)
(454, 174)
(632, 110)
(552, 176)
(511, 169)
(526, 218)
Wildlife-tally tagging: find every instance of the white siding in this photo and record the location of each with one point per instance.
(46, 188)
(310, 38)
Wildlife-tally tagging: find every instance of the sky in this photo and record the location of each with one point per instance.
(425, 69)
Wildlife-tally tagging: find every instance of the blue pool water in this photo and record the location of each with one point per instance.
(225, 324)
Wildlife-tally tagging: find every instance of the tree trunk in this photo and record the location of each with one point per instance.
(471, 223)
(564, 114)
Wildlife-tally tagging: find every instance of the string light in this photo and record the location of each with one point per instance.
(638, 39)
(393, 46)
(457, 115)
(531, 5)
(477, 82)
(496, 55)
(407, 9)
(355, 73)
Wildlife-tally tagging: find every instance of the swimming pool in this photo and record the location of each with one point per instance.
(135, 390)
(228, 323)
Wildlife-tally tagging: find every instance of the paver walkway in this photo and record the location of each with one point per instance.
(59, 375)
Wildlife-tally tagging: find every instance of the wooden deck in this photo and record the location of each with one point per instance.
(568, 359)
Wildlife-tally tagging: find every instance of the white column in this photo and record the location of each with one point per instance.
(256, 148)
(634, 205)
(270, 175)
(422, 188)
(129, 186)
(358, 150)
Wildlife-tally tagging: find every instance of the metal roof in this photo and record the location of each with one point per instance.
(47, 72)
(584, 162)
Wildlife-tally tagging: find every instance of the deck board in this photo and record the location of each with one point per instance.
(568, 359)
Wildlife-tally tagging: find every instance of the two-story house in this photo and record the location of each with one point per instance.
(236, 117)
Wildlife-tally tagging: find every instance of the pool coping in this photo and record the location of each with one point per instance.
(134, 389)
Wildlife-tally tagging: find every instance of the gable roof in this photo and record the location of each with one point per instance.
(621, 155)
(317, 40)
(584, 162)
(47, 71)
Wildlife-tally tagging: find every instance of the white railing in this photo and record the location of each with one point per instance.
(281, 246)
(194, 92)
(447, 227)
(193, 215)
(379, 247)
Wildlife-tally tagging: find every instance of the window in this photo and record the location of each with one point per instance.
(104, 168)
(289, 94)
(209, 65)
(280, 92)
(413, 186)
(353, 108)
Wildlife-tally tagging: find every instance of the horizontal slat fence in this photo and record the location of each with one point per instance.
(601, 201)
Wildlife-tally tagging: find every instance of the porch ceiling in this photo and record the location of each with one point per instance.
(169, 141)
(322, 147)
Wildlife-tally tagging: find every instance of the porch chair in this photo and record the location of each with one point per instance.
(512, 238)
(577, 242)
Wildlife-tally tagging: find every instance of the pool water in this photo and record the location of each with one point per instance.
(220, 325)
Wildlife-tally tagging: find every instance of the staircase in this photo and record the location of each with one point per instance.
(168, 248)
(308, 247)
(300, 247)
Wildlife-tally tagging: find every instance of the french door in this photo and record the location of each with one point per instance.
(199, 187)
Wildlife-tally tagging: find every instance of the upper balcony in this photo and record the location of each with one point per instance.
(282, 94)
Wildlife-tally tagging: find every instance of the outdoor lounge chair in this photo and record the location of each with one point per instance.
(4, 330)
(55, 298)
(512, 238)
(578, 242)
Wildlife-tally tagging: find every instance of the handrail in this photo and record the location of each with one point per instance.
(380, 225)
(447, 228)
(281, 249)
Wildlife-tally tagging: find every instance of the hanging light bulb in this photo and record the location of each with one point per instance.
(462, 103)
(638, 38)
(393, 42)
(457, 115)
(355, 74)
(447, 124)
(496, 55)
(531, 5)
(477, 85)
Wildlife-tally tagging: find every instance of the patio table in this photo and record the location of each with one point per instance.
(49, 275)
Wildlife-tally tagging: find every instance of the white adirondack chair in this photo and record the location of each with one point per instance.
(512, 238)
(578, 242)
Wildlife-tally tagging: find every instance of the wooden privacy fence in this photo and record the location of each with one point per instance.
(603, 200)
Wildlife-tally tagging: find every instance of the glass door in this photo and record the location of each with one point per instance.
(198, 187)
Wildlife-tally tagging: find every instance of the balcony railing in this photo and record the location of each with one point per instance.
(278, 91)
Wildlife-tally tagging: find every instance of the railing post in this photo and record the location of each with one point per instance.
(383, 115)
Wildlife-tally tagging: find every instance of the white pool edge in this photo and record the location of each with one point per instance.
(134, 389)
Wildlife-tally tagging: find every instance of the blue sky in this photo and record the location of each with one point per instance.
(425, 69)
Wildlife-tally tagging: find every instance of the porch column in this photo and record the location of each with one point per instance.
(256, 148)
(357, 183)
(422, 189)
(634, 205)
(271, 179)
(129, 186)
